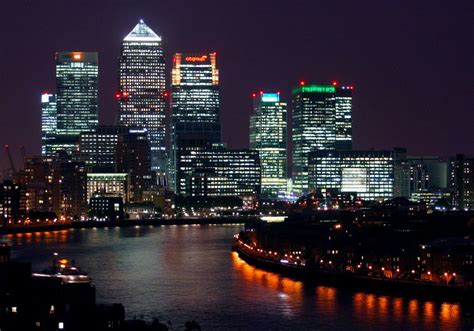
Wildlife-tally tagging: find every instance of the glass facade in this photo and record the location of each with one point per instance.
(371, 174)
(195, 101)
(268, 137)
(322, 120)
(97, 148)
(77, 78)
(235, 172)
(141, 92)
(48, 123)
(343, 119)
(313, 127)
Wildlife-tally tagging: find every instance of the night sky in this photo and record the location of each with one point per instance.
(410, 61)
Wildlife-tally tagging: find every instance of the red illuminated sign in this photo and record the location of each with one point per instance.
(201, 58)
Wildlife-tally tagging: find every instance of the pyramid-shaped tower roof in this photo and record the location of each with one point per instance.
(142, 32)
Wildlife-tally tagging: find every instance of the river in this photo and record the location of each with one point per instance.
(185, 272)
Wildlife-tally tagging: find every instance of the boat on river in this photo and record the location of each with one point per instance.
(64, 269)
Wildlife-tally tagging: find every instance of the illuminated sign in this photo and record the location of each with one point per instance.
(77, 56)
(201, 58)
(270, 97)
(314, 88)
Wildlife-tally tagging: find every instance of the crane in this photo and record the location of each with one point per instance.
(12, 165)
(23, 153)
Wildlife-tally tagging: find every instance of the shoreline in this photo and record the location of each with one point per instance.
(122, 223)
(352, 282)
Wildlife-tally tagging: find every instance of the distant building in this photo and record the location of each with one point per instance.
(369, 174)
(462, 181)
(240, 167)
(141, 94)
(108, 184)
(428, 173)
(69, 183)
(133, 157)
(97, 148)
(206, 183)
(104, 206)
(77, 80)
(9, 202)
(195, 101)
(343, 120)
(321, 117)
(432, 197)
(137, 211)
(268, 137)
(48, 123)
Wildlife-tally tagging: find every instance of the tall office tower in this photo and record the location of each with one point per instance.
(268, 137)
(133, 157)
(77, 78)
(343, 119)
(195, 101)
(141, 92)
(48, 122)
(314, 116)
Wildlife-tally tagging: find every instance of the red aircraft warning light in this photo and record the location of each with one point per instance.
(302, 82)
(334, 83)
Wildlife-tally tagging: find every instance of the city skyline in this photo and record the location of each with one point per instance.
(400, 87)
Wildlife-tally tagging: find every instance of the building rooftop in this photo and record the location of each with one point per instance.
(142, 32)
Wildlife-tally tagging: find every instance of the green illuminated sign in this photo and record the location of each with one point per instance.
(314, 88)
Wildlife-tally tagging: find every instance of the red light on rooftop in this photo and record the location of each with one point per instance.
(334, 83)
(278, 92)
(351, 87)
(261, 92)
(302, 83)
(254, 94)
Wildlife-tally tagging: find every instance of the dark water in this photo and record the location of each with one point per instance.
(179, 273)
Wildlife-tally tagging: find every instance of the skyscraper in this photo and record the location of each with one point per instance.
(141, 92)
(48, 122)
(195, 88)
(314, 118)
(268, 137)
(195, 101)
(343, 120)
(77, 78)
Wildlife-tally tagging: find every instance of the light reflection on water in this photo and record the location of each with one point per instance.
(179, 273)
